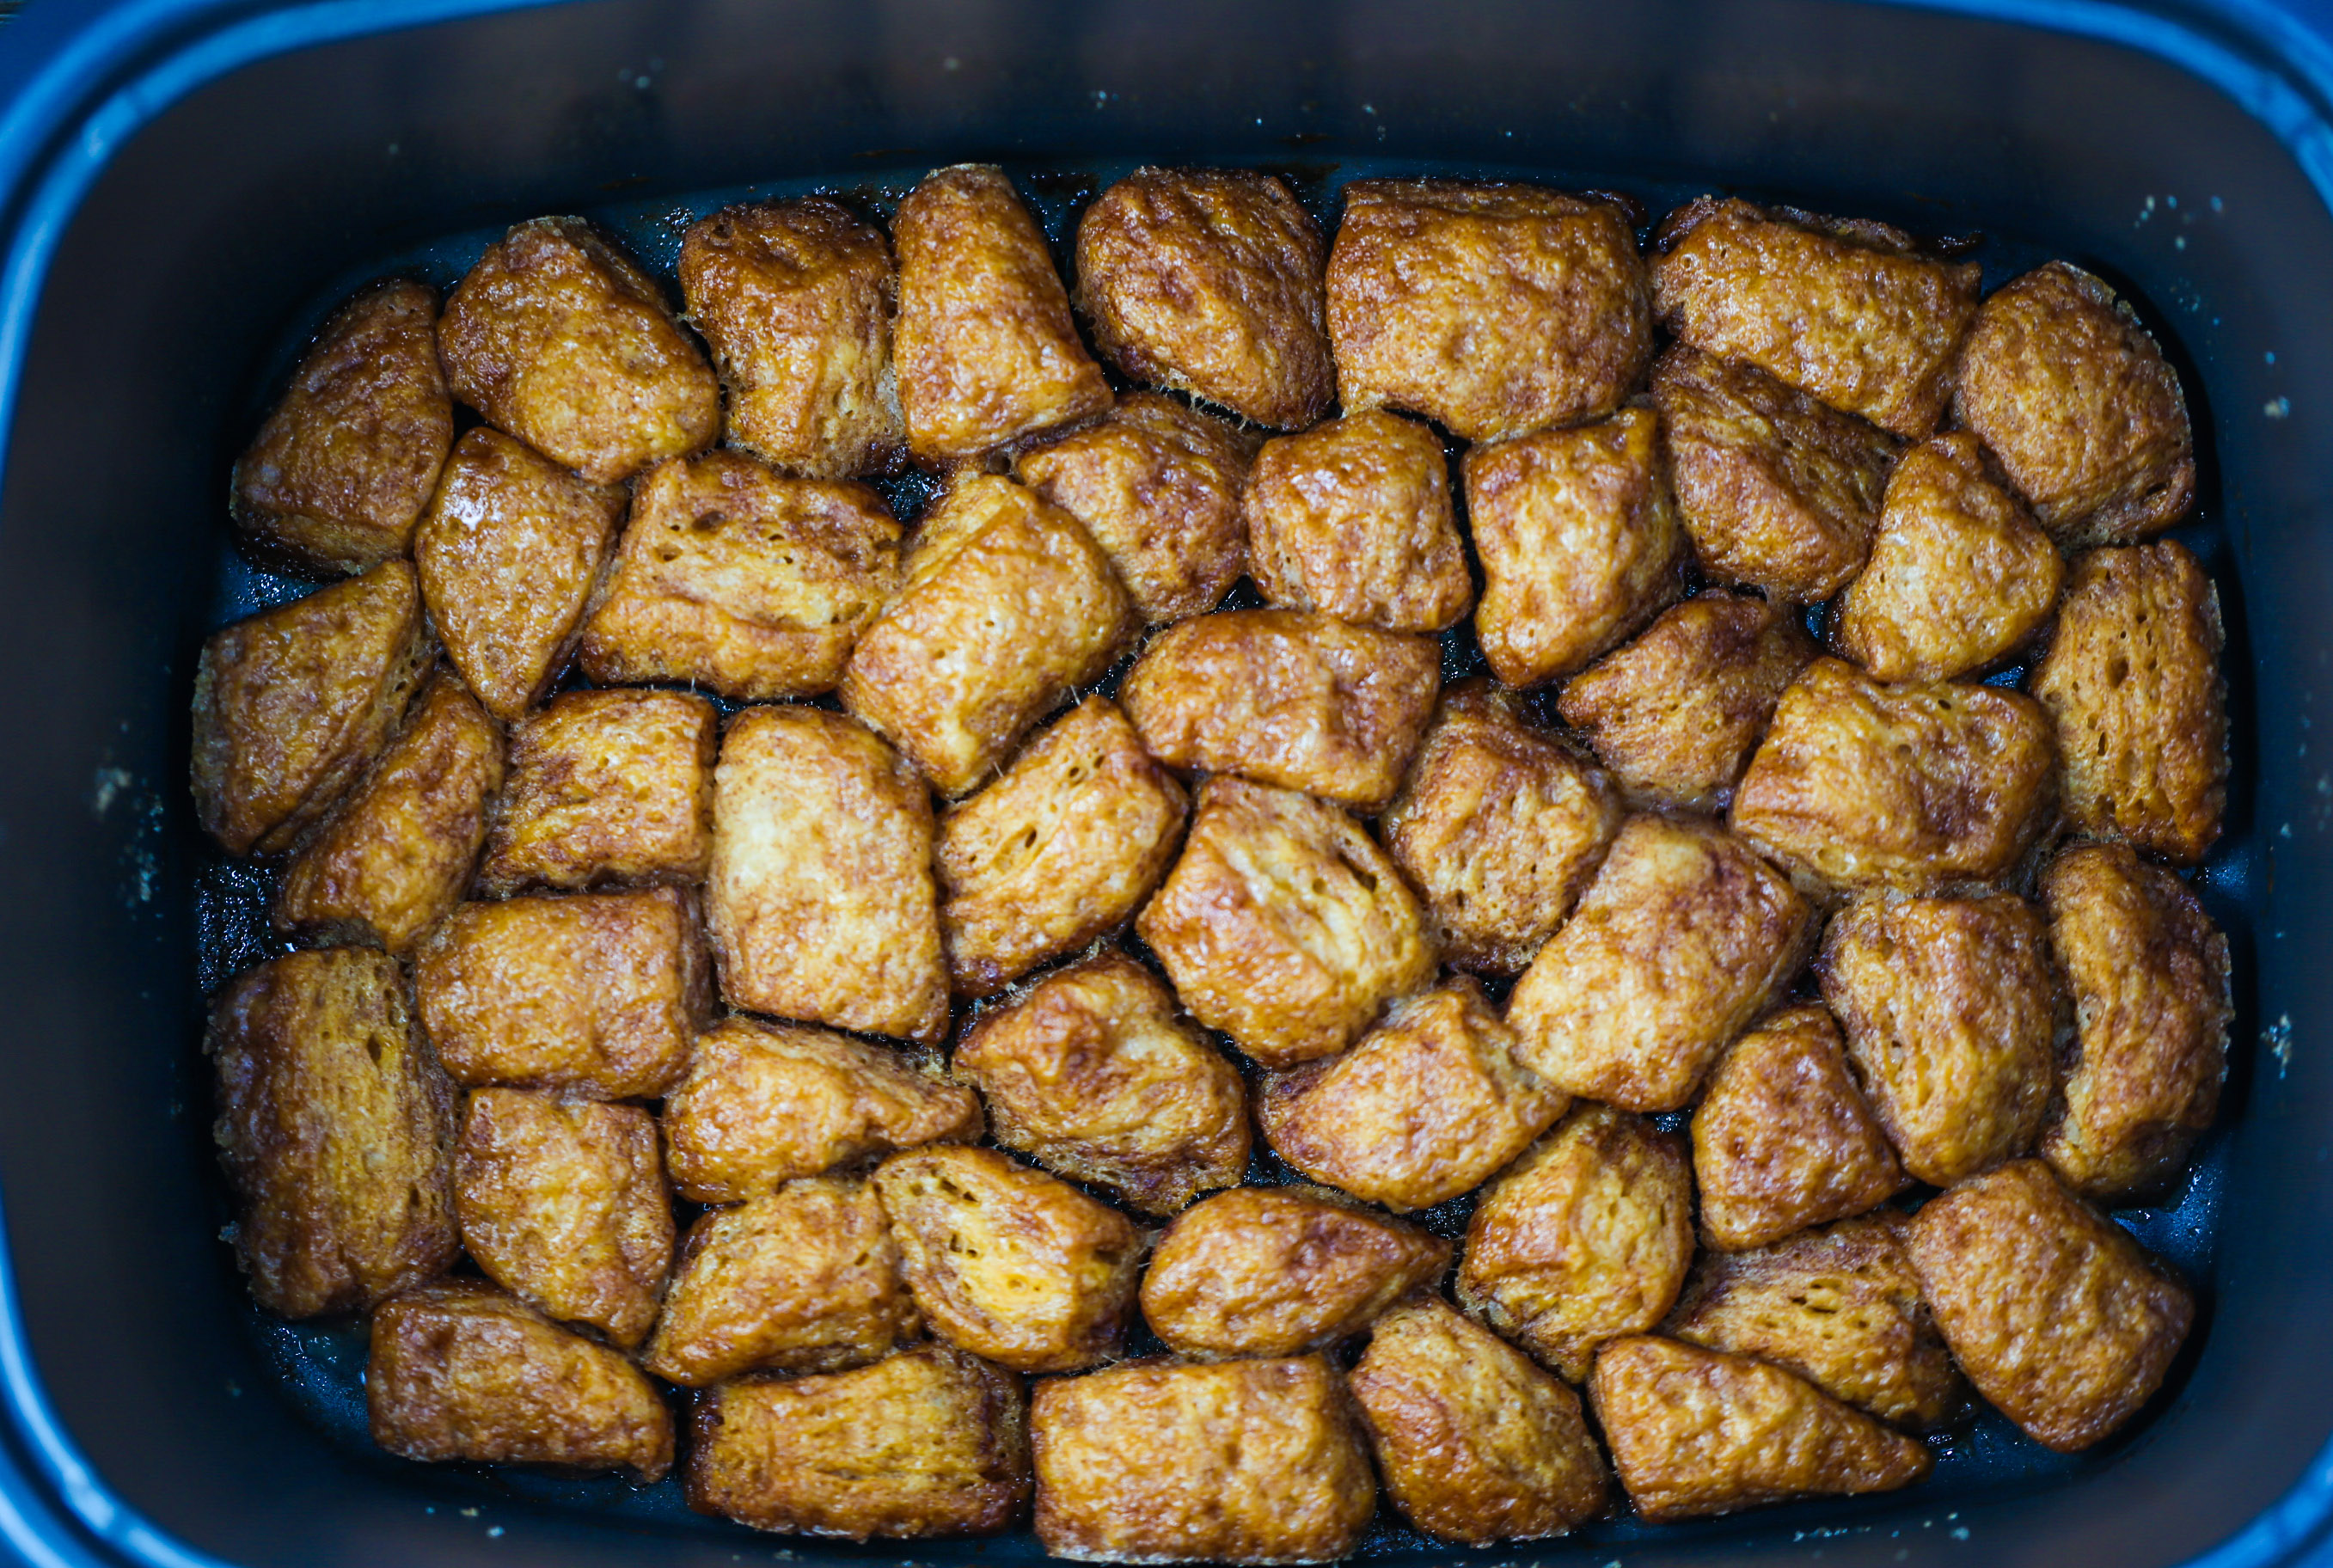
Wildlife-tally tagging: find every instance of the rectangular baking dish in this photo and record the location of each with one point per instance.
(186, 184)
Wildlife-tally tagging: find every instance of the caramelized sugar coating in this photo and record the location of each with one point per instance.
(1579, 540)
(1676, 714)
(1276, 1271)
(1429, 1104)
(1352, 518)
(336, 1126)
(1208, 281)
(1094, 1075)
(764, 1104)
(795, 300)
(1061, 848)
(596, 994)
(1585, 1238)
(511, 552)
(1286, 697)
(1918, 787)
(1476, 1444)
(1158, 484)
(2132, 682)
(2149, 976)
(1846, 309)
(338, 474)
(562, 340)
(563, 1202)
(398, 852)
(1284, 924)
(1005, 604)
(2074, 398)
(292, 704)
(985, 346)
(805, 1279)
(1783, 1139)
(736, 580)
(821, 900)
(1696, 1432)
(1254, 1461)
(1683, 936)
(2057, 1315)
(927, 1442)
(1499, 826)
(1493, 310)
(1008, 1263)
(605, 786)
(1960, 577)
(462, 1370)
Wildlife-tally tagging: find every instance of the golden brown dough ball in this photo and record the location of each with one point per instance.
(605, 786)
(340, 470)
(1209, 281)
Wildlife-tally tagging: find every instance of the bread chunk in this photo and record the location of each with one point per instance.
(1062, 848)
(1158, 484)
(336, 1126)
(1696, 1432)
(1476, 1444)
(291, 705)
(795, 300)
(1094, 1075)
(1284, 924)
(2057, 1315)
(1238, 1462)
(605, 786)
(462, 1370)
(2132, 683)
(805, 1279)
(1008, 1263)
(1429, 1104)
(1918, 787)
(1676, 714)
(560, 339)
(1683, 936)
(1208, 281)
(1493, 310)
(511, 552)
(596, 994)
(1846, 309)
(1286, 697)
(985, 346)
(929, 1442)
(1585, 1238)
(1961, 576)
(338, 474)
(2149, 976)
(764, 1103)
(733, 579)
(398, 852)
(1951, 1013)
(1007, 604)
(1276, 1271)
(563, 1202)
(1783, 1139)
(2074, 398)
(1352, 518)
(821, 900)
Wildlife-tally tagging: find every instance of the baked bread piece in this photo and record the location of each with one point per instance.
(560, 339)
(1493, 310)
(340, 470)
(336, 1126)
(2057, 1315)
(795, 299)
(927, 1442)
(1208, 281)
(605, 786)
